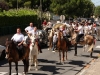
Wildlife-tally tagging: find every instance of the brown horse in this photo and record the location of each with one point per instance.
(88, 41)
(13, 56)
(62, 46)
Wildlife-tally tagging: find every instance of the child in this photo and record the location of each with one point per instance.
(54, 41)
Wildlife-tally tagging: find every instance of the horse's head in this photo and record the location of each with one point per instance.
(32, 38)
(9, 46)
(60, 34)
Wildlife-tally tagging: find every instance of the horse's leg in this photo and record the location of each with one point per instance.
(24, 61)
(35, 62)
(30, 60)
(60, 55)
(27, 65)
(16, 63)
(66, 53)
(91, 53)
(75, 50)
(63, 52)
(10, 68)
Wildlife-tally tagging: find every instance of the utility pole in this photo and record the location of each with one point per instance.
(41, 11)
(17, 4)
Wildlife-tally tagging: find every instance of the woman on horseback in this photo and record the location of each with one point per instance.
(18, 39)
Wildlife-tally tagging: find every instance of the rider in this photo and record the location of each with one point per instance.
(65, 34)
(44, 23)
(30, 27)
(80, 32)
(34, 32)
(54, 41)
(18, 39)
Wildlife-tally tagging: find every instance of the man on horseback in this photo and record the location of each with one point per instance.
(18, 39)
(80, 33)
(29, 28)
(34, 32)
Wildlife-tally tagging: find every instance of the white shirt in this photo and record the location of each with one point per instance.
(73, 25)
(64, 33)
(29, 28)
(55, 38)
(18, 37)
(35, 34)
(86, 28)
(80, 28)
(49, 25)
(90, 27)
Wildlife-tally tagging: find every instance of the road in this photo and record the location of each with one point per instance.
(49, 63)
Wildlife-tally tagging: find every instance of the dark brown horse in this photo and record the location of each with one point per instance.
(62, 46)
(13, 56)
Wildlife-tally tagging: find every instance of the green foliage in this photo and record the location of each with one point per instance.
(97, 11)
(72, 7)
(18, 17)
(27, 4)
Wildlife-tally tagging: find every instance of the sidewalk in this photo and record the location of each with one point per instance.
(92, 69)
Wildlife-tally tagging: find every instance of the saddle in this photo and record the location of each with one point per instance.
(20, 49)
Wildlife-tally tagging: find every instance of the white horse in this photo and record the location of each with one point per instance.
(33, 53)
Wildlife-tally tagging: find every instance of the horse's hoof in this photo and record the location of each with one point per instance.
(48, 49)
(36, 69)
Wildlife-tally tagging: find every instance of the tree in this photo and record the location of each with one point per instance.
(3, 6)
(97, 11)
(72, 7)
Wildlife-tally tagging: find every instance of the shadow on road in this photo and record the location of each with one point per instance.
(78, 63)
(3, 62)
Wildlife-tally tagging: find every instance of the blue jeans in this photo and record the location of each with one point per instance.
(54, 46)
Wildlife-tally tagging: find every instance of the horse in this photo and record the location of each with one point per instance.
(33, 52)
(88, 41)
(62, 46)
(13, 56)
(50, 38)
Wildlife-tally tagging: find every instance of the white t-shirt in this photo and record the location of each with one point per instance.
(73, 25)
(64, 33)
(90, 27)
(86, 28)
(80, 28)
(29, 28)
(18, 37)
(55, 38)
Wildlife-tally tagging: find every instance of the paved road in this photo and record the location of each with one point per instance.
(49, 63)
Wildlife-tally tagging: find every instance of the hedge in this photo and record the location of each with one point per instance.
(10, 20)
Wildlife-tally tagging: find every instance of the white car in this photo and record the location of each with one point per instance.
(2, 52)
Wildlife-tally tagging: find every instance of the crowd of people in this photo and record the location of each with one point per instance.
(81, 28)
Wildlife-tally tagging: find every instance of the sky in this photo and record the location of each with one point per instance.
(96, 2)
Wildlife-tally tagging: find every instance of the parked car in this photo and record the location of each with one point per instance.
(2, 52)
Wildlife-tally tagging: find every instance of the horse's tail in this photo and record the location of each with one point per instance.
(92, 45)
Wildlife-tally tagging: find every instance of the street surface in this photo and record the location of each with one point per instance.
(49, 63)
